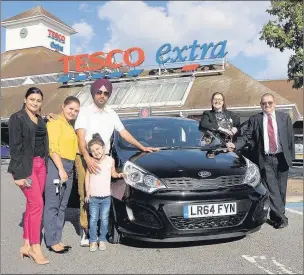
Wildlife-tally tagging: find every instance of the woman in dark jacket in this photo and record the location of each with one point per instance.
(29, 146)
(219, 119)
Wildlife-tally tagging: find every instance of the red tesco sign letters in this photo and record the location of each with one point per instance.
(101, 60)
(56, 36)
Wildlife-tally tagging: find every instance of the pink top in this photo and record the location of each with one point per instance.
(100, 184)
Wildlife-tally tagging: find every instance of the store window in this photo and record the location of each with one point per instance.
(144, 93)
(84, 96)
(120, 90)
(15, 82)
(150, 93)
(164, 93)
(135, 95)
(153, 93)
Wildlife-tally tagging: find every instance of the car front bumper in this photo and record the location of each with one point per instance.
(160, 218)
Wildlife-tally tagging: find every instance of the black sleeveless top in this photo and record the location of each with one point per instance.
(40, 133)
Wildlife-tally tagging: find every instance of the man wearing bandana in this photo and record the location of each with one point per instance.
(97, 118)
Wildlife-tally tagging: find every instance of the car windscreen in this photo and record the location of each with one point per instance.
(168, 133)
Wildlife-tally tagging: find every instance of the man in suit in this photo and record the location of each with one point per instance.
(272, 135)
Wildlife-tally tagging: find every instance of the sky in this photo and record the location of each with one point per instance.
(106, 25)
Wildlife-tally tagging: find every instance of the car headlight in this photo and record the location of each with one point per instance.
(141, 179)
(252, 176)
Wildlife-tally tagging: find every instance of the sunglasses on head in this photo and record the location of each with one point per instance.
(267, 102)
(103, 92)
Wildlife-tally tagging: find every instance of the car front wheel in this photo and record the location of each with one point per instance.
(113, 235)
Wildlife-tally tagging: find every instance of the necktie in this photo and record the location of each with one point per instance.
(271, 136)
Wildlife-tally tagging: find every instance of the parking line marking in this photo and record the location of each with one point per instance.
(294, 211)
(251, 259)
(282, 268)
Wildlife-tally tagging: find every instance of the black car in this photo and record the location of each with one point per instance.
(192, 189)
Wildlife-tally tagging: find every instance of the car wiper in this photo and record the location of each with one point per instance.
(179, 147)
(218, 147)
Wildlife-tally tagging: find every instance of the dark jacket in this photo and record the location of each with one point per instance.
(22, 144)
(255, 133)
(209, 122)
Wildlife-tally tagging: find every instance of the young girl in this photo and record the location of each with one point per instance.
(98, 192)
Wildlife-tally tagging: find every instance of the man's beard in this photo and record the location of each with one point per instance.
(100, 105)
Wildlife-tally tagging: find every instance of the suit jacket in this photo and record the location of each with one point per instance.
(209, 122)
(255, 134)
(22, 144)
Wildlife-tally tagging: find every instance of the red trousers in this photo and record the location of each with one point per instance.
(34, 202)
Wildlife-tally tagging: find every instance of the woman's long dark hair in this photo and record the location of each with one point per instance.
(212, 97)
(32, 90)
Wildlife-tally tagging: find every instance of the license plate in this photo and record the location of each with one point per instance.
(210, 210)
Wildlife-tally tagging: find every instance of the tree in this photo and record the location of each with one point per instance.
(286, 32)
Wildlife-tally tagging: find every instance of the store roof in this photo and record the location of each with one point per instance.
(284, 89)
(12, 98)
(239, 89)
(36, 11)
(32, 61)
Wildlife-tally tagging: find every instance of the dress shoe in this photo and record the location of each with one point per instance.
(280, 225)
(271, 222)
(24, 252)
(65, 246)
(62, 251)
(38, 258)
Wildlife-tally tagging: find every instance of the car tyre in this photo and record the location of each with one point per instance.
(114, 235)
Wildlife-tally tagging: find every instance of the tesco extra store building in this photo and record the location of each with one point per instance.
(179, 84)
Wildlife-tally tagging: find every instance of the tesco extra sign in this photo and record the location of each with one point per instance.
(165, 54)
(56, 47)
(56, 36)
(168, 54)
(99, 60)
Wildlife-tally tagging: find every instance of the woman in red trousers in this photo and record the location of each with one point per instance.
(29, 146)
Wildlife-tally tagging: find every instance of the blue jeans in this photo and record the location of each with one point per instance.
(99, 208)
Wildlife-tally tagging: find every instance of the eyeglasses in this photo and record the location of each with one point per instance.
(103, 92)
(217, 100)
(267, 102)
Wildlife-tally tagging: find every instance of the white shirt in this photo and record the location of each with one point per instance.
(276, 133)
(93, 120)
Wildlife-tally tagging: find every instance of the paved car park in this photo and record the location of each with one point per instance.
(267, 251)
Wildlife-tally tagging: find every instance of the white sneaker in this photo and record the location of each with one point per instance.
(93, 247)
(84, 240)
(102, 246)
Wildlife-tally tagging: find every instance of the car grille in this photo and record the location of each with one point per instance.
(190, 183)
(180, 222)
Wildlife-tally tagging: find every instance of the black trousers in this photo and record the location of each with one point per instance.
(274, 177)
